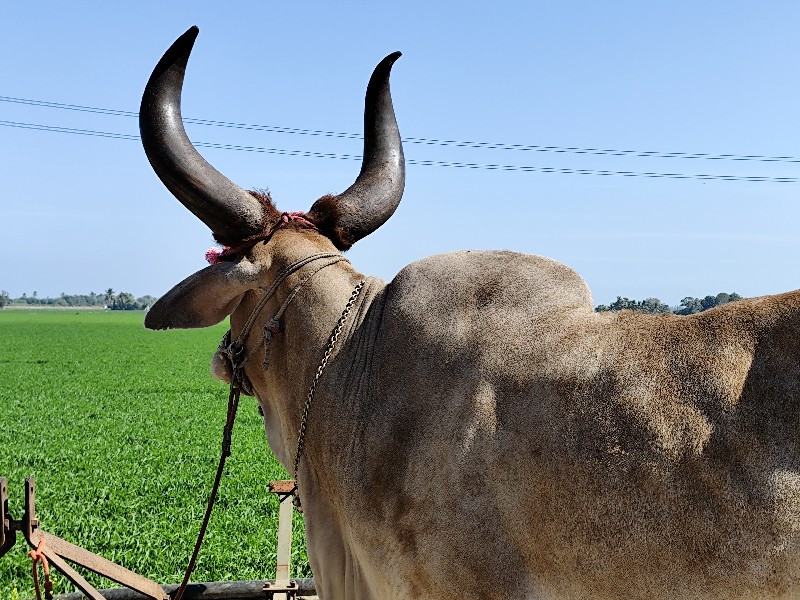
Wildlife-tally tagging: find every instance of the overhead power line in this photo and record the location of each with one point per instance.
(422, 141)
(411, 161)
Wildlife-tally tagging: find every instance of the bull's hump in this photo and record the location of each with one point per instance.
(471, 280)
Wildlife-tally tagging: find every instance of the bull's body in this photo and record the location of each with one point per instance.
(481, 434)
(480, 431)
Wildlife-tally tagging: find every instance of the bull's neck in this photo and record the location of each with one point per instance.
(297, 351)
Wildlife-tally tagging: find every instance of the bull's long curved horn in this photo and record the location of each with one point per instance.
(229, 211)
(377, 191)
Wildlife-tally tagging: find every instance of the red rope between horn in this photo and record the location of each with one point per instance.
(214, 255)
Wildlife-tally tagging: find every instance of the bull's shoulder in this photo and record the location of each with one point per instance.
(470, 281)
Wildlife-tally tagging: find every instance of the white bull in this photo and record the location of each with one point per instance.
(479, 431)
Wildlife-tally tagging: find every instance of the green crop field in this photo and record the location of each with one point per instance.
(121, 428)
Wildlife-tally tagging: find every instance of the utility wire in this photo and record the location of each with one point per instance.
(419, 140)
(411, 161)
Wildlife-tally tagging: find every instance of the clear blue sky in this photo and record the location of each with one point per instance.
(80, 214)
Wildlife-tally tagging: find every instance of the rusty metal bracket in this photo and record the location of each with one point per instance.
(8, 536)
(58, 551)
(286, 590)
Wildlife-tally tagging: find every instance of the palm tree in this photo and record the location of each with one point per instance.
(110, 297)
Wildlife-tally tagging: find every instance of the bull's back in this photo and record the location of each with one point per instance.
(540, 448)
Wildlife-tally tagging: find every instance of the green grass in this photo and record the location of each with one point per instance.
(122, 428)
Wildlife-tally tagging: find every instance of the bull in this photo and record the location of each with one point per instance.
(480, 431)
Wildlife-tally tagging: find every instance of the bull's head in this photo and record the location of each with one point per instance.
(235, 215)
(264, 241)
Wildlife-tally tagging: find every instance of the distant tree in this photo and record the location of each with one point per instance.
(125, 301)
(648, 305)
(22, 299)
(5, 299)
(623, 304)
(708, 302)
(110, 297)
(690, 306)
(145, 302)
(724, 298)
(653, 305)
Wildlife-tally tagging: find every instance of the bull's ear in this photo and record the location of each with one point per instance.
(205, 298)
